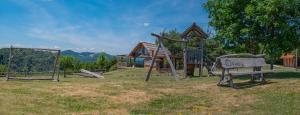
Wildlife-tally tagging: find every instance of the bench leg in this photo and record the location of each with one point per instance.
(221, 80)
(222, 77)
(252, 78)
(262, 78)
(230, 81)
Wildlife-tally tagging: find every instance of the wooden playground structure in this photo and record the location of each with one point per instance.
(192, 56)
(146, 51)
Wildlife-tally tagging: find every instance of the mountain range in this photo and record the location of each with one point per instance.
(85, 56)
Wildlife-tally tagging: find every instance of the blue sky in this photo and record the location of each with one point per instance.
(113, 26)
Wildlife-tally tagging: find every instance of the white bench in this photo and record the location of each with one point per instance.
(240, 62)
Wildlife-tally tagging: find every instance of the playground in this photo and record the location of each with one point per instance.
(124, 92)
(231, 84)
(163, 57)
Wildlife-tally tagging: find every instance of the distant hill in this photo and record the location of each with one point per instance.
(84, 56)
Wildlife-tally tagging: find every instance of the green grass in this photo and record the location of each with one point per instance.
(126, 92)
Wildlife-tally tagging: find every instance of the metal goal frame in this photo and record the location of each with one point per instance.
(55, 71)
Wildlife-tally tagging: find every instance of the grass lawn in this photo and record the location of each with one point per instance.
(125, 92)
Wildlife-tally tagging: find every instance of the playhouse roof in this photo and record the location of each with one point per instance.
(194, 28)
(150, 47)
(287, 56)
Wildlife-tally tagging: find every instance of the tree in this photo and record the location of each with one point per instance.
(112, 64)
(105, 63)
(214, 49)
(102, 61)
(67, 62)
(77, 65)
(256, 26)
(174, 47)
(2, 69)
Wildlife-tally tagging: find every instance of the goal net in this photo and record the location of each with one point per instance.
(33, 64)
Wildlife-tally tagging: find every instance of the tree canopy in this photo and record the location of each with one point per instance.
(67, 62)
(70, 63)
(256, 26)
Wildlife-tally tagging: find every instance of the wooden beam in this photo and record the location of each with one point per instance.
(160, 45)
(163, 37)
(169, 61)
(152, 63)
(194, 28)
(58, 68)
(185, 61)
(55, 65)
(17, 78)
(38, 48)
(296, 65)
(9, 62)
(91, 73)
(202, 53)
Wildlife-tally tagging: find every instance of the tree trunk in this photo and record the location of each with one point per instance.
(175, 63)
(272, 30)
(272, 63)
(65, 73)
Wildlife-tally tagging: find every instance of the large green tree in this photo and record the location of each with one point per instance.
(102, 61)
(67, 63)
(105, 63)
(256, 26)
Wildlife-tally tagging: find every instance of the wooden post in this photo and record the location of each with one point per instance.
(152, 63)
(160, 45)
(170, 61)
(201, 65)
(185, 61)
(55, 65)
(9, 62)
(296, 65)
(128, 61)
(58, 68)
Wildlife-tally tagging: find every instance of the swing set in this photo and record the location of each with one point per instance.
(192, 56)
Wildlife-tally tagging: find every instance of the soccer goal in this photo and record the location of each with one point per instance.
(33, 64)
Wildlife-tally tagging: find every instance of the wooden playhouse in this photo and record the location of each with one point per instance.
(146, 51)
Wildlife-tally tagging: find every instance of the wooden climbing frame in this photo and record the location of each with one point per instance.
(191, 55)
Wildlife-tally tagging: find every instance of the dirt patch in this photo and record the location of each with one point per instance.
(205, 86)
(116, 112)
(81, 91)
(223, 98)
(87, 113)
(248, 99)
(165, 90)
(131, 97)
(228, 99)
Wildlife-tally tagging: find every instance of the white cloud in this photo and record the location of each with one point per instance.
(146, 24)
(56, 47)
